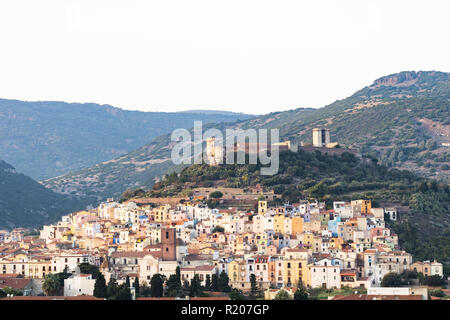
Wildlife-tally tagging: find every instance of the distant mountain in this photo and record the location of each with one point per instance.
(46, 139)
(26, 203)
(402, 119)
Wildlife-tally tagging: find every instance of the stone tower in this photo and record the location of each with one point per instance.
(262, 207)
(321, 137)
(169, 244)
(213, 152)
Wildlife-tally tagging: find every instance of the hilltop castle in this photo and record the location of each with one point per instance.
(321, 142)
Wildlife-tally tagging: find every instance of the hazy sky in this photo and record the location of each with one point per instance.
(251, 56)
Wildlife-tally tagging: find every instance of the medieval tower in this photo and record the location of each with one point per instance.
(321, 137)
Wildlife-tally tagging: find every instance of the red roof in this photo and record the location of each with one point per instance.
(15, 283)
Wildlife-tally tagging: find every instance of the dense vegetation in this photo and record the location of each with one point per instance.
(46, 139)
(304, 174)
(26, 203)
(409, 277)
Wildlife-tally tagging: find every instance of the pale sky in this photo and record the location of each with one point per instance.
(252, 56)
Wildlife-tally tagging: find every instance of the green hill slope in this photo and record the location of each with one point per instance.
(26, 203)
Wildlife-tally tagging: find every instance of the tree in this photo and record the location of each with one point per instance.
(185, 289)
(11, 291)
(145, 290)
(100, 286)
(178, 274)
(236, 294)
(301, 293)
(223, 282)
(86, 268)
(196, 286)
(216, 195)
(52, 284)
(156, 285)
(208, 283)
(437, 293)
(282, 295)
(173, 286)
(127, 282)
(112, 289)
(433, 281)
(255, 292)
(136, 286)
(392, 279)
(123, 292)
(218, 229)
(214, 283)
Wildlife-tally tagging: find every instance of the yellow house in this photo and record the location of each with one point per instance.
(262, 207)
(237, 271)
(297, 225)
(67, 236)
(237, 244)
(31, 269)
(366, 205)
(308, 238)
(162, 214)
(207, 250)
(336, 243)
(295, 269)
(278, 223)
(20, 256)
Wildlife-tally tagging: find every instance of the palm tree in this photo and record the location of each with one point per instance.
(51, 285)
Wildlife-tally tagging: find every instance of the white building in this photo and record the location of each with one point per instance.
(392, 212)
(325, 277)
(79, 284)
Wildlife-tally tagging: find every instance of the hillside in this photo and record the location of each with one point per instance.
(46, 139)
(401, 119)
(26, 203)
(424, 230)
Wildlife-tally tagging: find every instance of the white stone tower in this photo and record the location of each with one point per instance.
(321, 137)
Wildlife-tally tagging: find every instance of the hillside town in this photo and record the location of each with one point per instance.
(275, 249)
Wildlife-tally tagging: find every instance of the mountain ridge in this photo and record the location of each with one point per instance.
(64, 137)
(380, 126)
